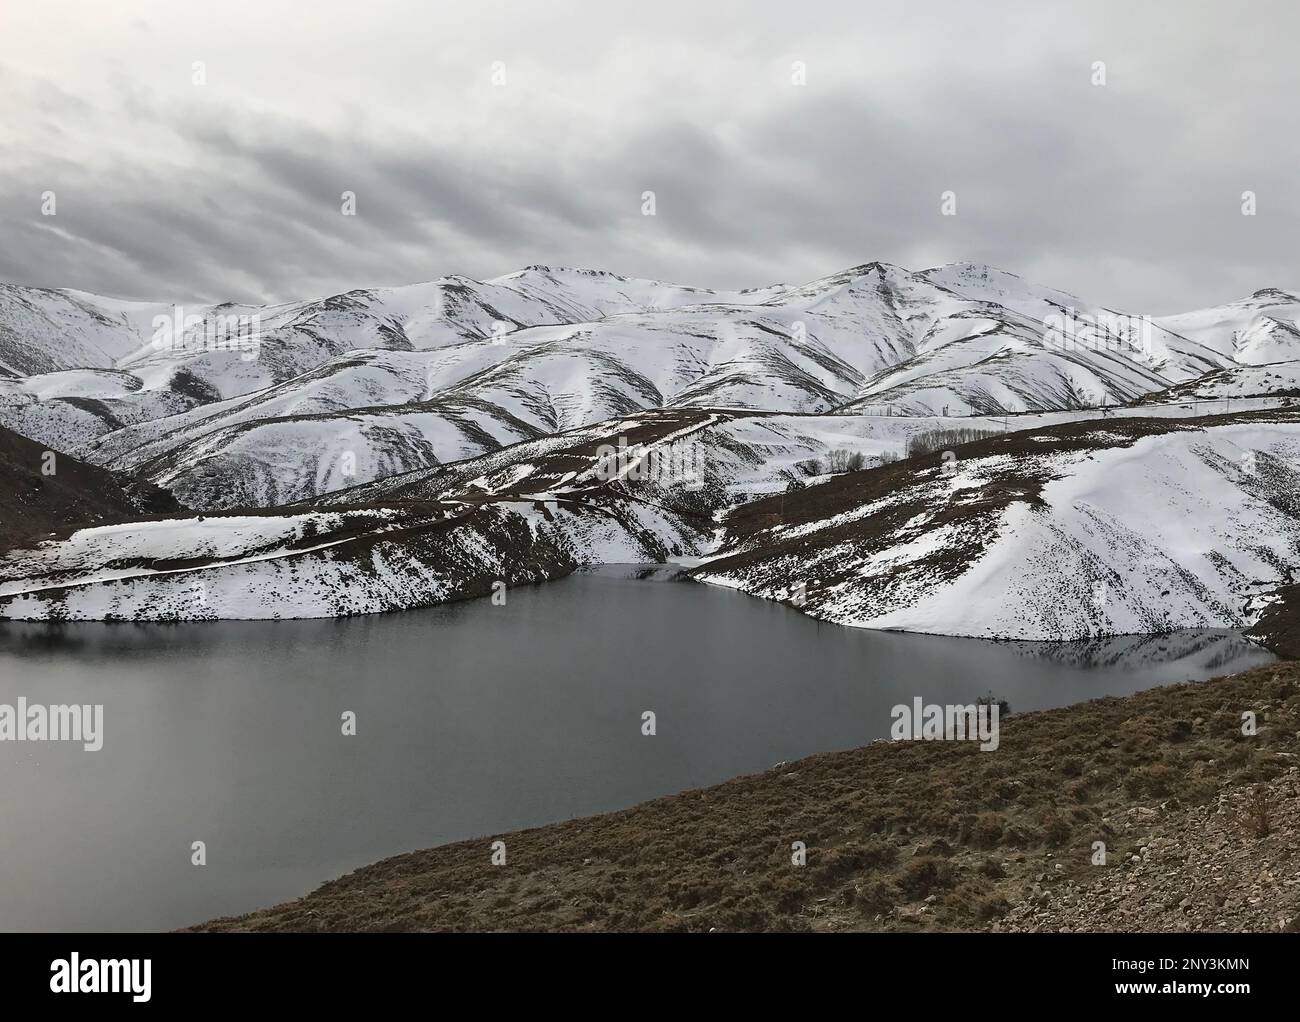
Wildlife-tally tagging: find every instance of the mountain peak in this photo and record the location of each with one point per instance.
(579, 271)
(1274, 294)
(970, 271)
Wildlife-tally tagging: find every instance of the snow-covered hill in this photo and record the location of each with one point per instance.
(1124, 523)
(360, 558)
(1225, 386)
(1262, 328)
(1128, 526)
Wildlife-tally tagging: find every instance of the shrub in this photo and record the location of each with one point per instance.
(975, 899)
(987, 830)
(924, 875)
(1055, 828)
(853, 857)
(1155, 779)
(1004, 707)
(875, 896)
(990, 906)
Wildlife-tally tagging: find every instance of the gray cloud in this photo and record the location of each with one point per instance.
(1127, 194)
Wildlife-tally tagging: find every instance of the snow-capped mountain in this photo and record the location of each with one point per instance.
(1262, 328)
(240, 406)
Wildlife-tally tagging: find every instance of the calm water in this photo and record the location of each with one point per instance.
(471, 719)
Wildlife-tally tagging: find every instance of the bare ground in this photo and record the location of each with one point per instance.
(48, 493)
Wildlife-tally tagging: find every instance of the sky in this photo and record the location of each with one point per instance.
(200, 151)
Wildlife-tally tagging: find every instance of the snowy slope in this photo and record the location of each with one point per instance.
(1154, 343)
(994, 366)
(1262, 328)
(328, 563)
(43, 331)
(1128, 526)
(1279, 379)
(706, 460)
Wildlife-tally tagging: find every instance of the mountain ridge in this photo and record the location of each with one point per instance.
(464, 366)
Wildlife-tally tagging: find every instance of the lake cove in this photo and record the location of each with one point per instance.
(468, 720)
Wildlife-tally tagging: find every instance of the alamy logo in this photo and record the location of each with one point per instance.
(672, 465)
(1071, 330)
(933, 722)
(132, 976)
(214, 332)
(33, 722)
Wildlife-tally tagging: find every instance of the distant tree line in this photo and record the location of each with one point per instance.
(945, 439)
(841, 460)
(837, 461)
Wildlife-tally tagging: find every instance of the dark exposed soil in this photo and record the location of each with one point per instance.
(1278, 626)
(73, 495)
(853, 489)
(901, 836)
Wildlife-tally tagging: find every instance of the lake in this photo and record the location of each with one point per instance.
(471, 720)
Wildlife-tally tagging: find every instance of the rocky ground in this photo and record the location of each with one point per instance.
(1233, 865)
(1199, 817)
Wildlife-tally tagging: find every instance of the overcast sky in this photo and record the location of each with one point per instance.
(1127, 193)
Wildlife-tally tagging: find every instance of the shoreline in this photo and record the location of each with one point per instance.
(1277, 630)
